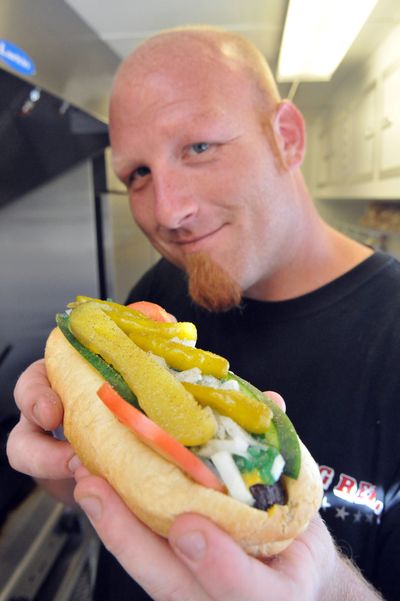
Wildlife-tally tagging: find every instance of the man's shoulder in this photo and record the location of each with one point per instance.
(382, 279)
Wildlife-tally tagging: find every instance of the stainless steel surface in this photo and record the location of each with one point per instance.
(48, 253)
(29, 546)
(72, 62)
(45, 551)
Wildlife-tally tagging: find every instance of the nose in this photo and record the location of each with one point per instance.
(176, 204)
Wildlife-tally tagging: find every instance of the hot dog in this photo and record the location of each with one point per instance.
(174, 431)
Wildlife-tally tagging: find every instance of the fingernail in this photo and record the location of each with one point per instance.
(74, 463)
(192, 544)
(92, 507)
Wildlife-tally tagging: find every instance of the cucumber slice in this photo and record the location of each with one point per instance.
(104, 369)
(283, 430)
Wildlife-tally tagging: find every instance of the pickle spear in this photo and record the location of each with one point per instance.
(130, 320)
(289, 445)
(159, 394)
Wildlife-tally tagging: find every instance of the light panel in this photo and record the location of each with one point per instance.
(317, 35)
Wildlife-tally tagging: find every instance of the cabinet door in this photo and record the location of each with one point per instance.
(363, 136)
(390, 123)
(339, 157)
(323, 153)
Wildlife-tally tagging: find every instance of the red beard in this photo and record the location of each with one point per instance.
(210, 286)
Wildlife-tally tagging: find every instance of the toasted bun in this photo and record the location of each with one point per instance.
(154, 489)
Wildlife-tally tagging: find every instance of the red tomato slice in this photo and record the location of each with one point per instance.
(152, 310)
(158, 439)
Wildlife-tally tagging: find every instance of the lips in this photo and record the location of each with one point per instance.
(186, 242)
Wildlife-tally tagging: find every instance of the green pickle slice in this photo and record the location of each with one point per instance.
(282, 431)
(104, 369)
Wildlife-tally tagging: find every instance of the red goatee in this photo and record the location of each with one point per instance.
(210, 286)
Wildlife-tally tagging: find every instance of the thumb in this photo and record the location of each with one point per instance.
(132, 543)
(220, 566)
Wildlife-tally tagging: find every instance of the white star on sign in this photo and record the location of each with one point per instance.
(358, 516)
(341, 513)
(325, 503)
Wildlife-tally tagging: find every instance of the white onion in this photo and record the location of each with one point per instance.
(277, 467)
(230, 385)
(233, 430)
(231, 477)
(192, 375)
(237, 447)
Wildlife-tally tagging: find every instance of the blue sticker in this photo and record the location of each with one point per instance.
(16, 59)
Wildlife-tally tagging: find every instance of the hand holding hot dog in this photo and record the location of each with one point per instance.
(203, 563)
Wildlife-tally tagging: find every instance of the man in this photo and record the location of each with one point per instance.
(211, 157)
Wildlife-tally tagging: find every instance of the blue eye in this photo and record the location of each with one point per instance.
(200, 147)
(140, 172)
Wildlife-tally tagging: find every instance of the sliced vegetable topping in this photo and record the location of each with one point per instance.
(247, 411)
(104, 369)
(267, 462)
(130, 320)
(230, 474)
(159, 394)
(152, 310)
(180, 356)
(178, 387)
(288, 440)
(158, 439)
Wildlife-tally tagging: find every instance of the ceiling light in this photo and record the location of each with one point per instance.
(317, 35)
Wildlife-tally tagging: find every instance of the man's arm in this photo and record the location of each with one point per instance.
(350, 585)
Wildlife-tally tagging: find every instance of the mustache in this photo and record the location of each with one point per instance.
(210, 286)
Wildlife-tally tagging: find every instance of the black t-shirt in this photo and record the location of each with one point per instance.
(334, 355)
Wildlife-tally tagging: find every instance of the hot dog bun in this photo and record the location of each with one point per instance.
(154, 489)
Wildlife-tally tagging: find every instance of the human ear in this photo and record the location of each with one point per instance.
(289, 130)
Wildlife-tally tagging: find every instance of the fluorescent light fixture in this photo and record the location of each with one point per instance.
(317, 35)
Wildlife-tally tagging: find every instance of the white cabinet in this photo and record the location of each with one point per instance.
(363, 136)
(331, 149)
(390, 123)
(356, 138)
(339, 156)
(322, 152)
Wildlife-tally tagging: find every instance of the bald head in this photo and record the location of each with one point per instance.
(203, 52)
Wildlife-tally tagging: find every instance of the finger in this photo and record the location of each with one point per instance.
(276, 398)
(142, 553)
(223, 569)
(35, 398)
(33, 452)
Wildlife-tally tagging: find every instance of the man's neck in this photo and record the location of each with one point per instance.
(326, 255)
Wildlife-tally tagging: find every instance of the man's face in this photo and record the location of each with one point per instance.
(201, 175)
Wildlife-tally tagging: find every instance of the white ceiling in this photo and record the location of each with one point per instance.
(122, 24)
